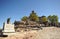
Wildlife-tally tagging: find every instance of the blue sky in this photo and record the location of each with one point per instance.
(16, 9)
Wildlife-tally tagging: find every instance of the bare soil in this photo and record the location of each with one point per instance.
(45, 33)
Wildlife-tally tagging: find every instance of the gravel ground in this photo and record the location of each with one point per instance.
(45, 33)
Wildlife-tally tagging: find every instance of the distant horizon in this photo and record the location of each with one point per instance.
(16, 9)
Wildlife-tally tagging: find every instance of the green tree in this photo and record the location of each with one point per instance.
(24, 18)
(49, 19)
(33, 16)
(53, 19)
(44, 20)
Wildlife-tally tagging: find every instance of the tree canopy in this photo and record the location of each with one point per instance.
(53, 19)
(44, 18)
(33, 16)
(24, 18)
